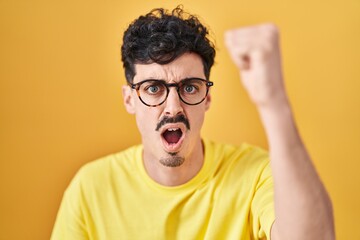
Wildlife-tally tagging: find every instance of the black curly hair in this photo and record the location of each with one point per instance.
(161, 36)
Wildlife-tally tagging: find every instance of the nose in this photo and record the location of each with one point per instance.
(173, 104)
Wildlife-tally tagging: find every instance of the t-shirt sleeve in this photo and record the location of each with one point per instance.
(70, 224)
(262, 207)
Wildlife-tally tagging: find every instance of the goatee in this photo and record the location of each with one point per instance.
(172, 161)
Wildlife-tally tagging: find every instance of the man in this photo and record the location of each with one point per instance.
(179, 186)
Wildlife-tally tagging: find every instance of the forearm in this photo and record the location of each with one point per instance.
(302, 207)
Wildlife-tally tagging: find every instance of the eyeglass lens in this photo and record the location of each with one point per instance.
(155, 92)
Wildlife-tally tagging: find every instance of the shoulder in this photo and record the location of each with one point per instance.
(242, 161)
(121, 158)
(99, 172)
(243, 153)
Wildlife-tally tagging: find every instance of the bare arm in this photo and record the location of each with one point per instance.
(302, 206)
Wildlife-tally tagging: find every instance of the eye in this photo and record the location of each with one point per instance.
(153, 88)
(189, 88)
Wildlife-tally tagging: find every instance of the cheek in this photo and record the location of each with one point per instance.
(197, 119)
(146, 120)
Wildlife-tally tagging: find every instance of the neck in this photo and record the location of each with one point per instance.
(175, 176)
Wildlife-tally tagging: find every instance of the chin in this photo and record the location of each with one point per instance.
(172, 161)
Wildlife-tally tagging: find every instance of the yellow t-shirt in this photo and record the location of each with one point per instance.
(113, 198)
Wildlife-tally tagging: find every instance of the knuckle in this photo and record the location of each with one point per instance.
(272, 27)
(271, 32)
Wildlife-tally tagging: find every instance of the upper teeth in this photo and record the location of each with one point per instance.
(173, 129)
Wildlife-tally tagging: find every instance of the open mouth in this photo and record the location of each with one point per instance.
(172, 138)
(172, 135)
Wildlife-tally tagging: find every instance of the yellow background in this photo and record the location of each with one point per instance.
(61, 103)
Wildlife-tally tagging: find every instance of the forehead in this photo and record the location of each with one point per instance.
(186, 66)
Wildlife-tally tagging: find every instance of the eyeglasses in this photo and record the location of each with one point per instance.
(153, 93)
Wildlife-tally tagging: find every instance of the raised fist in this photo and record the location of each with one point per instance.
(255, 51)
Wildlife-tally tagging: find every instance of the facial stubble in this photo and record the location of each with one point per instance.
(172, 161)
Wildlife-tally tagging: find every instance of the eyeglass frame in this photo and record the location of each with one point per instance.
(136, 86)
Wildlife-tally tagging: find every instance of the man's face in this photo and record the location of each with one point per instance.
(170, 142)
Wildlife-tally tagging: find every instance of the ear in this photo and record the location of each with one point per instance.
(128, 98)
(208, 101)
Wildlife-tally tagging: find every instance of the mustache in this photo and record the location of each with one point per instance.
(176, 119)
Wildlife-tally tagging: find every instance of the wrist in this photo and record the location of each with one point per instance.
(277, 104)
(279, 124)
